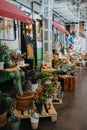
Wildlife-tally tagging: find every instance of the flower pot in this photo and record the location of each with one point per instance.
(6, 65)
(1, 65)
(24, 102)
(34, 87)
(49, 100)
(34, 122)
(3, 119)
(14, 124)
(39, 107)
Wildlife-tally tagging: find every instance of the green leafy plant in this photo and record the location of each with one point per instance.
(5, 101)
(4, 52)
(34, 75)
(49, 87)
(33, 114)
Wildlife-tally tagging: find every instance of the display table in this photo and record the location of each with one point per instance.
(5, 73)
(68, 82)
(49, 69)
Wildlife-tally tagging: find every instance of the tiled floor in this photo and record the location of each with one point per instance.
(72, 113)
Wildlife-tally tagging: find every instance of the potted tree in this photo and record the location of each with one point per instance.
(5, 101)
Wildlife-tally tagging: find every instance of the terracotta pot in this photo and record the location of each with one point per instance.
(3, 119)
(24, 102)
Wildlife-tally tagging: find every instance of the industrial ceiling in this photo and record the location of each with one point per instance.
(71, 11)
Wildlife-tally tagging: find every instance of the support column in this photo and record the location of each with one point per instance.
(77, 26)
(47, 31)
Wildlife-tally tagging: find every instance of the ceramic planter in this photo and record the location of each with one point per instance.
(14, 124)
(34, 122)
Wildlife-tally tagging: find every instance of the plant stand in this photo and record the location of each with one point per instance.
(48, 111)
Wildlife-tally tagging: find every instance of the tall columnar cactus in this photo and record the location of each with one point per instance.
(17, 80)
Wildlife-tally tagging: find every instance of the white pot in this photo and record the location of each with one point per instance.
(34, 122)
(22, 62)
(1, 65)
(34, 87)
(49, 100)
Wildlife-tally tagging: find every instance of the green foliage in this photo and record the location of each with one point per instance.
(17, 80)
(4, 52)
(49, 87)
(33, 114)
(5, 101)
(39, 95)
(44, 76)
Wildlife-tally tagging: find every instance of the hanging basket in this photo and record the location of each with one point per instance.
(24, 102)
(3, 119)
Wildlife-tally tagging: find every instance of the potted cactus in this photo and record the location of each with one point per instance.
(23, 98)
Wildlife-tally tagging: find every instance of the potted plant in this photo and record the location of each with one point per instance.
(23, 98)
(5, 100)
(14, 122)
(34, 76)
(4, 54)
(39, 97)
(50, 89)
(48, 84)
(34, 119)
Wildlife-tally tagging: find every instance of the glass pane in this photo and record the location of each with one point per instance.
(7, 29)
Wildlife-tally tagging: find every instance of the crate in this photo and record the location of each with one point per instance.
(48, 111)
(68, 82)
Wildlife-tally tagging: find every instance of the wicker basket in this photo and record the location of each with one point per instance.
(24, 102)
(3, 119)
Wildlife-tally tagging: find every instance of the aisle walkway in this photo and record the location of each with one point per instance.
(72, 114)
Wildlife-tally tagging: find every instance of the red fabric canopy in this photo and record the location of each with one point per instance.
(60, 28)
(13, 12)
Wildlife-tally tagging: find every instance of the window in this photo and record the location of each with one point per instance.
(6, 29)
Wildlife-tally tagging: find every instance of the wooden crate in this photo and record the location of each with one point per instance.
(68, 82)
(48, 111)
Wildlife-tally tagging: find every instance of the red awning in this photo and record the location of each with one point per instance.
(13, 12)
(60, 28)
